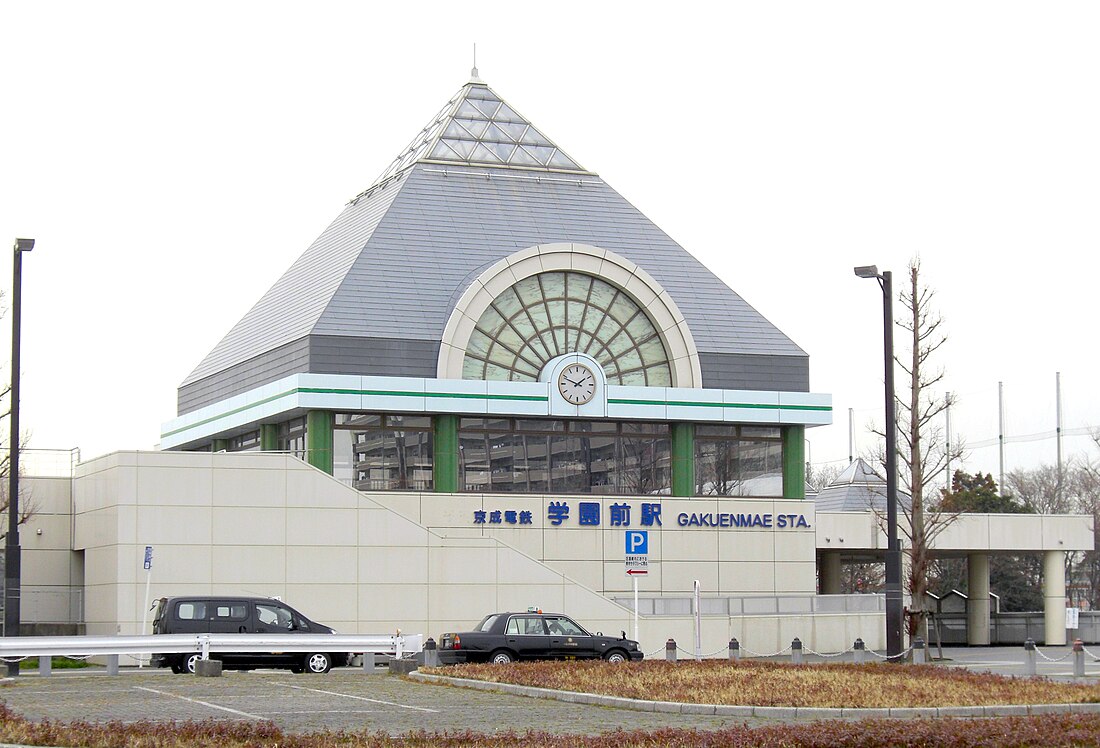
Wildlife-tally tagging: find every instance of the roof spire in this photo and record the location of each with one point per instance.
(474, 78)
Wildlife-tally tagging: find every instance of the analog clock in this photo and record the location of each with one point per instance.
(577, 384)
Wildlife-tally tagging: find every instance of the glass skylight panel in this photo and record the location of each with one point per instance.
(507, 114)
(477, 116)
(514, 130)
(520, 157)
(467, 109)
(503, 151)
(560, 160)
(483, 155)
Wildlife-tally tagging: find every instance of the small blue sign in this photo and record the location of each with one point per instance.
(148, 557)
(637, 542)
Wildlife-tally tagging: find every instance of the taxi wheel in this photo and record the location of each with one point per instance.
(615, 656)
(318, 662)
(502, 657)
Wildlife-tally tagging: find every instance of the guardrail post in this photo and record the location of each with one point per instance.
(112, 664)
(369, 661)
(919, 652)
(735, 650)
(399, 645)
(45, 665)
(1029, 656)
(858, 652)
(1078, 659)
(204, 644)
(796, 651)
(670, 650)
(431, 654)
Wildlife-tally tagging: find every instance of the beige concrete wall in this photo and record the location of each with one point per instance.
(726, 561)
(269, 524)
(52, 573)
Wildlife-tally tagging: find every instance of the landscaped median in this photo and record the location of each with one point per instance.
(779, 690)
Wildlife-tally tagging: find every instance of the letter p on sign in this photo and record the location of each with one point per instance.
(637, 542)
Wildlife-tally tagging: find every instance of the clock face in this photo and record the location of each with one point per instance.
(577, 384)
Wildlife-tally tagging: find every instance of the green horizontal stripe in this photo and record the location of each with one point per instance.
(336, 391)
(401, 393)
(476, 396)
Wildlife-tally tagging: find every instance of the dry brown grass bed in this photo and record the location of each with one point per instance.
(783, 684)
(1045, 731)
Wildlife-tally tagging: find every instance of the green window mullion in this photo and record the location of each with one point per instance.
(269, 437)
(319, 439)
(794, 462)
(683, 459)
(445, 454)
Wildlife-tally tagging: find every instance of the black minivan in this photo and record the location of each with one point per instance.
(240, 615)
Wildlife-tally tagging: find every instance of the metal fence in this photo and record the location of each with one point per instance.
(1011, 628)
(771, 605)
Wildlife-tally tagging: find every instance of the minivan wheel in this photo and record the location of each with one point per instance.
(318, 662)
(189, 663)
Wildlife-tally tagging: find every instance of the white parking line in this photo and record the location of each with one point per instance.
(203, 703)
(360, 698)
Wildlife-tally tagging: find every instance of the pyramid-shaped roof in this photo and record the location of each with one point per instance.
(478, 128)
(373, 294)
(857, 489)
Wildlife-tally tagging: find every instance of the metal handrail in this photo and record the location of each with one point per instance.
(89, 646)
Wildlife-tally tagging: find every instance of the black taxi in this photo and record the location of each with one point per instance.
(506, 637)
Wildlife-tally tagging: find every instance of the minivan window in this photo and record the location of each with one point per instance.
(233, 612)
(191, 611)
(274, 615)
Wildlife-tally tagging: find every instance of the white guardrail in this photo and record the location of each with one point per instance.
(20, 647)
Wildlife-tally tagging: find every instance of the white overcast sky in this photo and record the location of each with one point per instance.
(172, 160)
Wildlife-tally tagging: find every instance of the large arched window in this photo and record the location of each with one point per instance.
(546, 315)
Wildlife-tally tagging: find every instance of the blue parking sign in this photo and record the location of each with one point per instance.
(148, 557)
(637, 542)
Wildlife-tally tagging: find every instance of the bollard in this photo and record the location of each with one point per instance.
(1078, 659)
(796, 651)
(735, 650)
(670, 650)
(858, 652)
(112, 664)
(431, 654)
(919, 651)
(1029, 656)
(45, 665)
(370, 661)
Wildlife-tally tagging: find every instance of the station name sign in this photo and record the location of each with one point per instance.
(623, 514)
(722, 519)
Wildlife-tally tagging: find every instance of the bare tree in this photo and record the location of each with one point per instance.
(923, 450)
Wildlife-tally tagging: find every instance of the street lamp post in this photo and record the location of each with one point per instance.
(11, 546)
(893, 548)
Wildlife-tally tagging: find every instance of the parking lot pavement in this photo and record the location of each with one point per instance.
(344, 699)
(349, 699)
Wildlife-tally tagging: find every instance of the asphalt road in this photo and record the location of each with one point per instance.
(344, 699)
(350, 699)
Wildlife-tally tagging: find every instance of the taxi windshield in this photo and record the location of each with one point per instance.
(486, 624)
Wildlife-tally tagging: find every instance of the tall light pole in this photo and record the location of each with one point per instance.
(11, 546)
(894, 639)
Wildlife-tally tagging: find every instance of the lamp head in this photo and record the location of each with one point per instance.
(867, 271)
(24, 245)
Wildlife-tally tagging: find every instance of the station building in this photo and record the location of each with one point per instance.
(488, 376)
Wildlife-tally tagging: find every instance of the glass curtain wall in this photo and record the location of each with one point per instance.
(738, 461)
(516, 455)
(386, 452)
(292, 437)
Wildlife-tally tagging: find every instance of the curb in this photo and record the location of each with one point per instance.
(763, 712)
